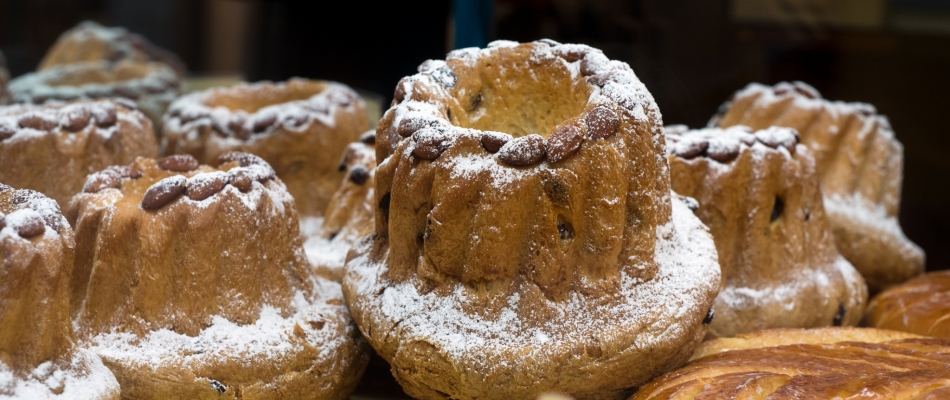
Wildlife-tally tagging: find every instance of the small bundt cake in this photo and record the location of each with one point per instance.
(758, 194)
(860, 164)
(51, 149)
(550, 257)
(191, 283)
(299, 126)
(920, 305)
(4, 80)
(90, 41)
(38, 355)
(821, 363)
(350, 214)
(152, 86)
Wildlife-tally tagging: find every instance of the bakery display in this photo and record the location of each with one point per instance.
(821, 363)
(860, 163)
(52, 148)
(350, 213)
(920, 305)
(190, 282)
(89, 41)
(300, 127)
(526, 237)
(4, 80)
(39, 358)
(758, 193)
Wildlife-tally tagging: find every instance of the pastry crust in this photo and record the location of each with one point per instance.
(89, 41)
(758, 194)
(300, 127)
(507, 265)
(51, 149)
(38, 355)
(860, 164)
(920, 305)
(191, 284)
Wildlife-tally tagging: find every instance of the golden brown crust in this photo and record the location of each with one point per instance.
(860, 164)
(51, 149)
(758, 194)
(89, 41)
(300, 127)
(920, 305)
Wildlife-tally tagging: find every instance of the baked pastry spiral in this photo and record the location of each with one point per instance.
(4, 80)
(51, 149)
(860, 164)
(758, 194)
(920, 305)
(190, 282)
(551, 257)
(39, 358)
(89, 41)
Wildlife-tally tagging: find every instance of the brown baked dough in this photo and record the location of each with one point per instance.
(89, 41)
(552, 257)
(758, 194)
(860, 164)
(52, 148)
(920, 305)
(190, 283)
(4, 80)
(300, 127)
(822, 363)
(38, 355)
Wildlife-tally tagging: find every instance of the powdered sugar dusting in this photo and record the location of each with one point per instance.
(81, 377)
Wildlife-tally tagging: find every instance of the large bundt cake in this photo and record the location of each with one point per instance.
(191, 283)
(300, 127)
(51, 149)
(860, 165)
(526, 236)
(4, 80)
(758, 194)
(920, 305)
(90, 41)
(38, 355)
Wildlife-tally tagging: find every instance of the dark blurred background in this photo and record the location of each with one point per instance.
(692, 54)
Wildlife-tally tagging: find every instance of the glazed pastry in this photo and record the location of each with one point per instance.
(150, 86)
(4, 79)
(920, 305)
(860, 164)
(191, 283)
(300, 127)
(90, 41)
(758, 194)
(551, 257)
(350, 214)
(39, 358)
(51, 149)
(822, 363)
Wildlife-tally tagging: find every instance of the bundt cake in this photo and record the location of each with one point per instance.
(191, 283)
(860, 165)
(51, 149)
(821, 363)
(526, 236)
(350, 213)
(39, 358)
(758, 194)
(920, 305)
(90, 41)
(300, 127)
(4, 80)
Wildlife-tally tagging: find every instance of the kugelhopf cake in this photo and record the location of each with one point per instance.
(920, 305)
(39, 358)
(300, 127)
(4, 80)
(191, 283)
(759, 195)
(821, 363)
(89, 41)
(51, 149)
(860, 164)
(526, 236)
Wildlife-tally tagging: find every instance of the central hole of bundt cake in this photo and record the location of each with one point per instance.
(522, 94)
(252, 98)
(120, 72)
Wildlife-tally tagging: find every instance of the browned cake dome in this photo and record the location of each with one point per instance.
(4, 80)
(821, 363)
(38, 355)
(191, 283)
(860, 164)
(551, 257)
(51, 149)
(300, 127)
(758, 194)
(90, 41)
(920, 305)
